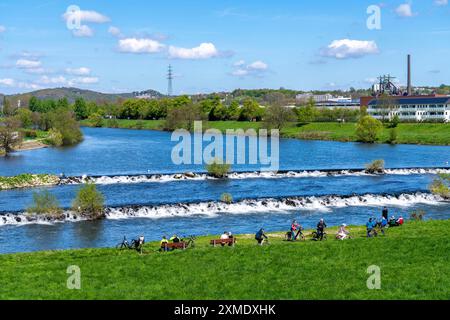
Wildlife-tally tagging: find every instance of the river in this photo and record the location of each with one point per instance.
(163, 205)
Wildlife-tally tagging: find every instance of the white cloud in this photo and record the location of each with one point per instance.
(257, 69)
(7, 82)
(53, 80)
(239, 63)
(85, 80)
(133, 45)
(441, 2)
(240, 73)
(203, 51)
(404, 10)
(115, 32)
(82, 71)
(83, 31)
(28, 64)
(2, 29)
(346, 48)
(86, 16)
(258, 65)
(36, 71)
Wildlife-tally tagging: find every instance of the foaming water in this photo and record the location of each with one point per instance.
(133, 179)
(243, 207)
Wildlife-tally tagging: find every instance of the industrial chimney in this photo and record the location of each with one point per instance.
(409, 75)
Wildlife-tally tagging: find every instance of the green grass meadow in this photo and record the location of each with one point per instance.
(414, 260)
(407, 133)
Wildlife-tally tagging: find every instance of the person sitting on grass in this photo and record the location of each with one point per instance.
(370, 225)
(400, 221)
(321, 229)
(175, 239)
(260, 236)
(164, 243)
(226, 236)
(392, 222)
(342, 233)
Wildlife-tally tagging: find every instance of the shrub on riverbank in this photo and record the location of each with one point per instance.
(45, 203)
(28, 181)
(54, 138)
(368, 129)
(217, 169)
(89, 202)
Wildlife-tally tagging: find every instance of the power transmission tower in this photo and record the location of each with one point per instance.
(170, 78)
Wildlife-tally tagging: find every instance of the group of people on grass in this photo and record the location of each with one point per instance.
(296, 230)
(164, 241)
(381, 224)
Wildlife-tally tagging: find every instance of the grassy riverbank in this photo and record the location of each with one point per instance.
(414, 264)
(28, 181)
(407, 133)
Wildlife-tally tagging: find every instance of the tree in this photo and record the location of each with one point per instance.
(277, 117)
(367, 129)
(64, 121)
(89, 202)
(233, 110)
(10, 137)
(251, 111)
(386, 105)
(80, 109)
(25, 116)
(96, 120)
(183, 117)
(8, 110)
(307, 113)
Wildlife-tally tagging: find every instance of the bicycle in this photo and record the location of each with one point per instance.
(190, 241)
(134, 245)
(316, 237)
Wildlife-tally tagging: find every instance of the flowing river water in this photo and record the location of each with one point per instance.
(134, 170)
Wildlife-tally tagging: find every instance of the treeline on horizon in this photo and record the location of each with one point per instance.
(180, 112)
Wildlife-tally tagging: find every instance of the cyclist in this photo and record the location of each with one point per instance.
(321, 229)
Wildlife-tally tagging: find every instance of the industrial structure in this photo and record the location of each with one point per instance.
(169, 80)
(389, 101)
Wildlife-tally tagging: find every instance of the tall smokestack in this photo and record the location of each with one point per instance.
(409, 75)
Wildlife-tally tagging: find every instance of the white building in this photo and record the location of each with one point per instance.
(411, 108)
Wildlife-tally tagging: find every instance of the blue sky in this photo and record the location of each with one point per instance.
(122, 46)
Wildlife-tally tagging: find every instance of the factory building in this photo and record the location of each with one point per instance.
(409, 108)
(388, 101)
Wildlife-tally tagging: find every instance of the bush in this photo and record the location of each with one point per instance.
(54, 138)
(439, 186)
(31, 134)
(89, 202)
(368, 129)
(377, 166)
(44, 203)
(65, 122)
(394, 122)
(217, 169)
(226, 198)
(96, 120)
(393, 135)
